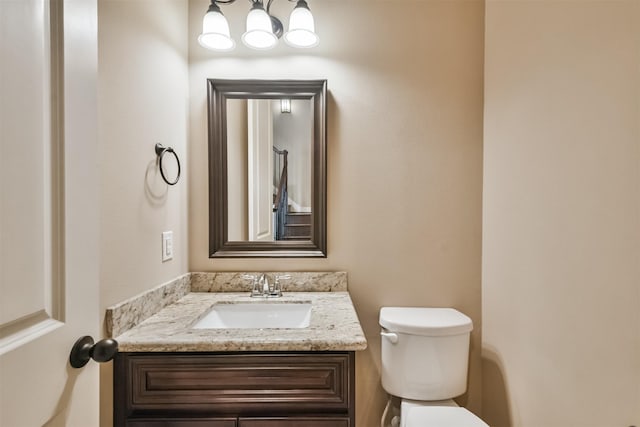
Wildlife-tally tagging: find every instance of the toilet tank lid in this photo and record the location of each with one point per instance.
(425, 321)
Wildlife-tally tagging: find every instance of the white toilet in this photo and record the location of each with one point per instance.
(425, 355)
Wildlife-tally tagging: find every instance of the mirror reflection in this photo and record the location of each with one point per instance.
(270, 169)
(267, 168)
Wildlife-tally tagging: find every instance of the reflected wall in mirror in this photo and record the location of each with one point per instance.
(269, 165)
(267, 168)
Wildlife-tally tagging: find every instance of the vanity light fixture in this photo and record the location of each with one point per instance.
(302, 30)
(262, 29)
(285, 105)
(215, 30)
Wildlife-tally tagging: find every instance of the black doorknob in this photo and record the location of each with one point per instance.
(84, 349)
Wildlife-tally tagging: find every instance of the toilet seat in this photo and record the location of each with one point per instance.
(441, 416)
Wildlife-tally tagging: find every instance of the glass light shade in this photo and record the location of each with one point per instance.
(259, 33)
(302, 32)
(215, 32)
(285, 105)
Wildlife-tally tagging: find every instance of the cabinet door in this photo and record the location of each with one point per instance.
(294, 422)
(211, 422)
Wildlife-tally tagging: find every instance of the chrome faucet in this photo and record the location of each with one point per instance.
(262, 288)
(263, 282)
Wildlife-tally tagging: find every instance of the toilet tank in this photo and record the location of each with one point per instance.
(425, 352)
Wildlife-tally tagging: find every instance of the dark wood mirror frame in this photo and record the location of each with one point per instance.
(219, 91)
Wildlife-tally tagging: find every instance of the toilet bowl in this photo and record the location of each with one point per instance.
(425, 355)
(438, 414)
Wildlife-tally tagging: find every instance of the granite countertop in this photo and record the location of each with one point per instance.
(334, 326)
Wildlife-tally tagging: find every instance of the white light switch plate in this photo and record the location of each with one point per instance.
(167, 245)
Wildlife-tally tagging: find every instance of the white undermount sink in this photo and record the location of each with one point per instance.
(257, 315)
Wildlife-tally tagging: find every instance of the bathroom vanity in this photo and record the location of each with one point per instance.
(169, 373)
(256, 389)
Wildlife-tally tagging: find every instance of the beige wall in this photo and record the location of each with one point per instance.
(291, 132)
(561, 245)
(142, 100)
(404, 157)
(237, 161)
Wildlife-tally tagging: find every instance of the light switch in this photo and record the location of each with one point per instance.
(167, 245)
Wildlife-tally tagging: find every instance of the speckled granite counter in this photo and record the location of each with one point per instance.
(334, 324)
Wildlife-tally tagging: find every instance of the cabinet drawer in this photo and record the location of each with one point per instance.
(237, 384)
(293, 422)
(183, 423)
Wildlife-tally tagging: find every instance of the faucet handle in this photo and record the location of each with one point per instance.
(277, 287)
(255, 291)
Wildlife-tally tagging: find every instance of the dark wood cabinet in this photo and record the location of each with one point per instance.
(274, 389)
(293, 422)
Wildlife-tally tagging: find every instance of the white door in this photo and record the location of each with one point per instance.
(260, 167)
(48, 211)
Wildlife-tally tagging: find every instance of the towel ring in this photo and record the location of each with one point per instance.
(160, 152)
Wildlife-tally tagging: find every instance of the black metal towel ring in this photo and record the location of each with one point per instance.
(161, 150)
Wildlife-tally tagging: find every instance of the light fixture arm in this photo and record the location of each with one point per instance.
(276, 24)
(271, 1)
(268, 8)
(213, 7)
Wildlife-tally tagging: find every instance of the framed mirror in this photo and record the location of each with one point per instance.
(267, 168)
